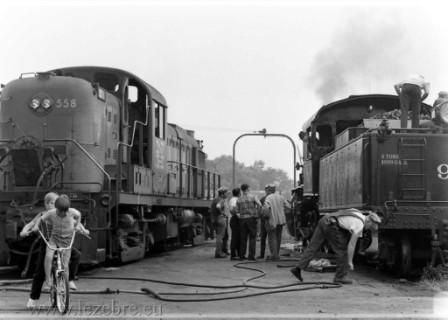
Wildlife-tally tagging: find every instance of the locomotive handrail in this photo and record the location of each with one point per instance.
(96, 164)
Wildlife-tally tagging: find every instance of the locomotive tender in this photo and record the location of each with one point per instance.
(354, 161)
(101, 136)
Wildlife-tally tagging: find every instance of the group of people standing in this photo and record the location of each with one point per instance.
(246, 211)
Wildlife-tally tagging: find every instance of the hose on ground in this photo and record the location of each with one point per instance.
(159, 295)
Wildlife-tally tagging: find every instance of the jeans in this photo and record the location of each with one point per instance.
(275, 240)
(235, 242)
(248, 228)
(220, 227)
(338, 241)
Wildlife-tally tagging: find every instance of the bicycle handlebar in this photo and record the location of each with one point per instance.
(53, 248)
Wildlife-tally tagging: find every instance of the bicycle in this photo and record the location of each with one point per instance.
(59, 290)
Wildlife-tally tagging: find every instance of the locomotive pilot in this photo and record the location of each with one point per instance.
(342, 230)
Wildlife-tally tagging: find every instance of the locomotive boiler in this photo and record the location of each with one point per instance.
(101, 136)
(355, 158)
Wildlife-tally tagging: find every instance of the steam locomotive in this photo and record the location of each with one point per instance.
(353, 158)
(101, 136)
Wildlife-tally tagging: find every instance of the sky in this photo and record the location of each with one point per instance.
(227, 68)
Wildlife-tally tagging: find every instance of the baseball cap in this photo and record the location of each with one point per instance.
(374, 217)
(222, 190)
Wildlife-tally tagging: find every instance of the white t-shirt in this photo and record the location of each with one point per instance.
(352, 224)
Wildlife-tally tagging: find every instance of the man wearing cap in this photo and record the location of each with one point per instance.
(410, 92)
(263, 231)
(275, 205)
(219, 220)
(247, 207)
(338, 227)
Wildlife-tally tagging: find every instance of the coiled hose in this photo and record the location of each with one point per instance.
(236, 288)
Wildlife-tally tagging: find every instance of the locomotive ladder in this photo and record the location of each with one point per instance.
(412, 175)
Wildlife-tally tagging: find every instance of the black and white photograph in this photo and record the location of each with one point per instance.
(224, 159)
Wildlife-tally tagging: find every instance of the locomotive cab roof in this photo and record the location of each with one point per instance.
(357, 107)
(111, 79)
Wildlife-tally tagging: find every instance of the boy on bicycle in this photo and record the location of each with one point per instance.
(63, 221)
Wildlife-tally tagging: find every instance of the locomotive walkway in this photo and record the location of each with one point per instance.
(374, 294)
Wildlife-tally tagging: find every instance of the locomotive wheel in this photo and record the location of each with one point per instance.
(405, 256)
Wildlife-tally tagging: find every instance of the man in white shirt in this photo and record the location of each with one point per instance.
(337, 228)
(409, 91)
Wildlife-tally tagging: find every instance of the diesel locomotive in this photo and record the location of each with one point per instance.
(354, 158)
(99, 135)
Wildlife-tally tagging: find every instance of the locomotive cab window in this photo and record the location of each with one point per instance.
(323, 133)
(159, 119)
(108, 81)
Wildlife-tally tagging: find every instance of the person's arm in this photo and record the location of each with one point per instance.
(43, 217)
(351, 249)
(26, 229)
(77, 216)
(397, 88)
(425, 91)
(83, 230)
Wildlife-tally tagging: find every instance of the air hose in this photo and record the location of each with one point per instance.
(159, 295)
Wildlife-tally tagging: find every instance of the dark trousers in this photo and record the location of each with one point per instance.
(225, 239)
(39, 272)
(338, 240)
(275, 240)
(248, 228)
(220, 227)
(235, 242)
(263, 236)
(410, 100)
(75, 259)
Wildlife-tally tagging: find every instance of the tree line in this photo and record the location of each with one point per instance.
(257, 176)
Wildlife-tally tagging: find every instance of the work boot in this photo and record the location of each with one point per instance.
(342, 280)
(220, 255)
(297, 272)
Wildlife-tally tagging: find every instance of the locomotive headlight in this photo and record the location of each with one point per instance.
(46, 103)
(35, 103)
(443, 112)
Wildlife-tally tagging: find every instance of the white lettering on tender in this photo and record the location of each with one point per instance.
(443, 171)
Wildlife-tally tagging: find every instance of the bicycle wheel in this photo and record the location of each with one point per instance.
(53, 295)
(62, 292)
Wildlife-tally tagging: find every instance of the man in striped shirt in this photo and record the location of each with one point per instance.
(247, 207)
